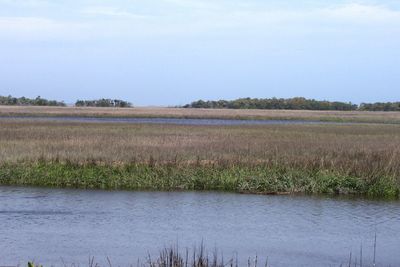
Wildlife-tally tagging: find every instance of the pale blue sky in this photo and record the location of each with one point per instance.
(170, 52)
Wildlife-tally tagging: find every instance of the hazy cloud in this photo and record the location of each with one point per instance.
(24, 3)
(36, 28)
(201, 17)
(112, 12)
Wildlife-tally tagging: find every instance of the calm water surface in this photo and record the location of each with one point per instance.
(53, 226)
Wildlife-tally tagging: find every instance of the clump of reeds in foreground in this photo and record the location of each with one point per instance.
(173, 257)
(199, 257)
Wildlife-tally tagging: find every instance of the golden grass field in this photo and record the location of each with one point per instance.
(339, 116)
(361, 149)
(319, 158)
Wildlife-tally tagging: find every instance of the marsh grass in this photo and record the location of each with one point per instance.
(260, 179)
(199, 257)
(173, 256)
(140, 112)
(362, 159)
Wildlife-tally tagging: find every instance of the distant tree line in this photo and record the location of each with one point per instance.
(39, 101)
(388, 106)
(273, 103)
(115, 103)
(24, 101)
(299, 103)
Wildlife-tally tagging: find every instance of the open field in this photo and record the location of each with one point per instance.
(259, 159)
(335, 116)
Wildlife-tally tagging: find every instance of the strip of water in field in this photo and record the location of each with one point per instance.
(176, 121)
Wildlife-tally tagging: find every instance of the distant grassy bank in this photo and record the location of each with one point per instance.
(269, 159)
(198, 113)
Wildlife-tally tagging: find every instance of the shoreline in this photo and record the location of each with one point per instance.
(257, 179)
(195, 113)
(179, 121)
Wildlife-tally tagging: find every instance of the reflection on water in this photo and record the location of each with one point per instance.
(47, 225)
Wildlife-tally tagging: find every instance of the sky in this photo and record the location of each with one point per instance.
(172, 52)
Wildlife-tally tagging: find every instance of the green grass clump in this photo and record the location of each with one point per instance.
(257, 179)
(31, 264)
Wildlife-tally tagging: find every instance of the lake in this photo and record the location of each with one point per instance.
(57, 226)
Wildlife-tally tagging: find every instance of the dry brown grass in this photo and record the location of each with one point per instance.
(347, 116)
(361, 150)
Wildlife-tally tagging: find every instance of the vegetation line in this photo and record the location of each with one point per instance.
(296, 103)
(39, 101)
(173, 256)
(257, 179)
(25, 101)
(358, 159)
(196, 113)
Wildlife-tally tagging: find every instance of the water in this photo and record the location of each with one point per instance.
(176, 121)
(53, 226)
